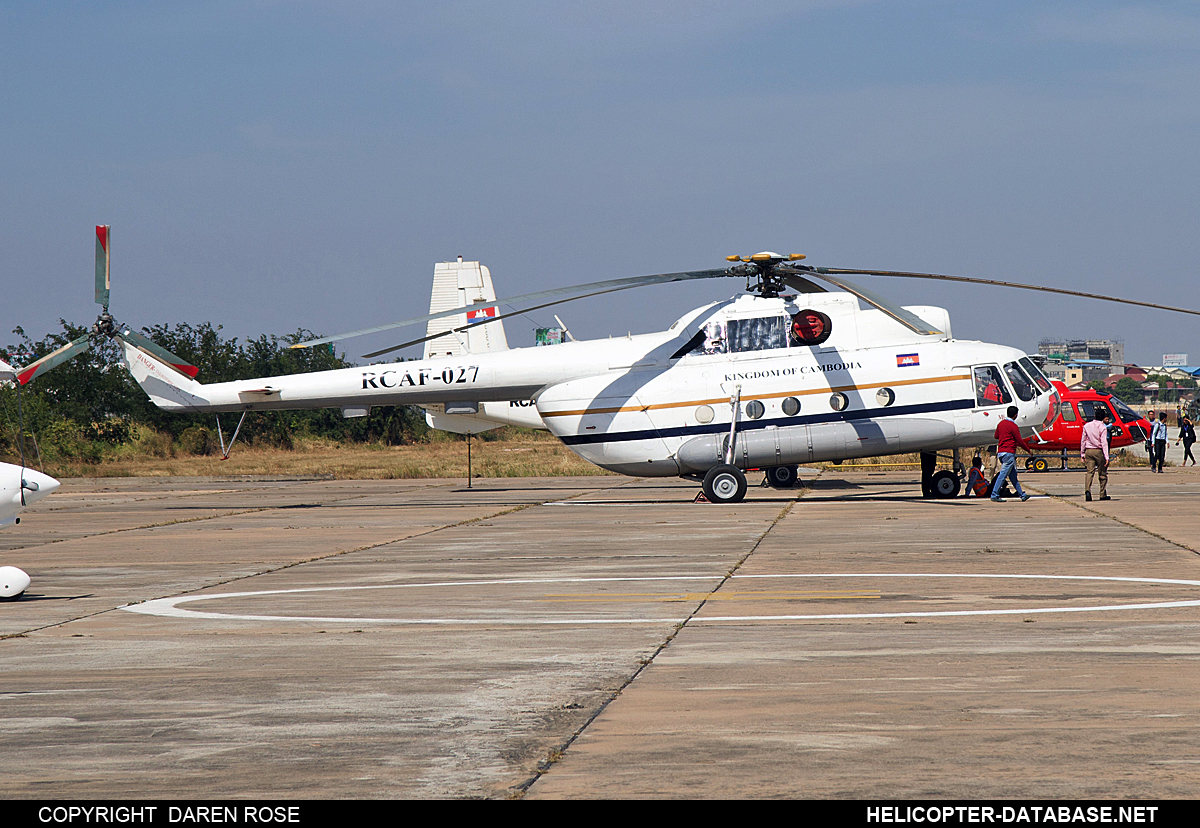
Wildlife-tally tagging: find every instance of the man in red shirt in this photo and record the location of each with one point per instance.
(1008, 437)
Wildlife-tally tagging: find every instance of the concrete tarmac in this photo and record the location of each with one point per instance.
(602, 637)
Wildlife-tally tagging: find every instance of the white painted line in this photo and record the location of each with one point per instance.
(170, 607)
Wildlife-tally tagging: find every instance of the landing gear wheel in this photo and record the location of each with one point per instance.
(782, 477)
(1029, 464)
(725, 484)
(945, 484)
(1040, 464)
(16, 597)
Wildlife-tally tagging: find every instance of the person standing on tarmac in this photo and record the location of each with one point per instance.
(1008, 437)
(1158, 435)
(1187, 433)
(1093, 450)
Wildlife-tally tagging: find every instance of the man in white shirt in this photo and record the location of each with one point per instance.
(1093, 450)
(1158, 435)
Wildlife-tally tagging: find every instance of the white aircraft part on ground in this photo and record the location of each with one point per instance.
(12, 478)
(13, 582)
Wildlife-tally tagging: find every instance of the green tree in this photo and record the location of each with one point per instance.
(1128, 390)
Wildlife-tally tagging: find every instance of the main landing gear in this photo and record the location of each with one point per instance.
(937, 483)
(782, 477)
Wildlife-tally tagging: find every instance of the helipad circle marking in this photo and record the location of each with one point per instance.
(169, 607)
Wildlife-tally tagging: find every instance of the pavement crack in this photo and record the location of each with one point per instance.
(556, 753)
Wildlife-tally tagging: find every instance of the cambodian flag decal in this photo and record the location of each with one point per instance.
(481, 313)
(906, 360)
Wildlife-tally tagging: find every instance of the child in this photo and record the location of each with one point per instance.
(977, 484)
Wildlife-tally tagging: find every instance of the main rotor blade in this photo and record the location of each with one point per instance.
(483, 321)
(825, 271)
(586, 289)
(41, 366)
(906, 318)
(143, 343)
(102, 262)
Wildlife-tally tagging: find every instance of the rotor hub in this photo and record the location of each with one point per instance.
(764, 271)
(105, 326)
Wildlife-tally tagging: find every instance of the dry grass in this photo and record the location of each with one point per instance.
(519, 457)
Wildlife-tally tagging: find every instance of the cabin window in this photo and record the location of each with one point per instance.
(791, 406)
(839, 401)
(755, 409)
(885, 397)
(714, 340)
(761, 333)
(989, 387)
(1088, 409)
(1020, 383)
(1068, 411)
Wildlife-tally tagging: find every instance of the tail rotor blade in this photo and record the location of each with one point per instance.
(138, 341)
(41, 366)
(102, 262)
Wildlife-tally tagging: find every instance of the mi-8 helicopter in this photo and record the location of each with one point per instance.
(788, 373)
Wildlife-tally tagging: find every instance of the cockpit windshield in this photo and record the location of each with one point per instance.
(1127, 414)
(1038, 377)
(1021, 383)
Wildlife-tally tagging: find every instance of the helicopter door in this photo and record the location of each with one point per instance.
(992, 398)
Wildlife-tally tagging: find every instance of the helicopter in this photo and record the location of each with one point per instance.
(1077, 407)
(787, 373)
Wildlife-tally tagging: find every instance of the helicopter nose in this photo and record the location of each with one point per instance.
(37, 485)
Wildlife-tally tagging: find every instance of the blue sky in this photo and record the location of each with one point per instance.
(272, 165)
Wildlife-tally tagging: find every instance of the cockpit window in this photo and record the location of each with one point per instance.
(989, 387)
(1127, 414)
(1021, 383)
(1033, 371)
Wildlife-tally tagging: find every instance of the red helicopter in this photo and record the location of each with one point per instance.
(1077, 407)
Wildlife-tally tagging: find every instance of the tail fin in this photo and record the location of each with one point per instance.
(166, 387)
(460, 284)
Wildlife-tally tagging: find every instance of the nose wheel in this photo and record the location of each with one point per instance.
(725, 484)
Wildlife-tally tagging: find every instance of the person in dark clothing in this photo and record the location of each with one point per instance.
(1187, 435)
(1158, 435)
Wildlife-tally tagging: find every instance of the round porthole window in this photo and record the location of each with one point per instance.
(755, 409)
(839, 401)
(791, 406)
(704, 414)
(885, 396)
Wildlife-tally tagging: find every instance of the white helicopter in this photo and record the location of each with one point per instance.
(19, 487)
(789, 373)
